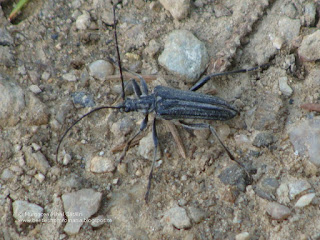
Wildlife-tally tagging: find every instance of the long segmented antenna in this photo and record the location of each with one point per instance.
(82, 117)
(205, 79)
(103, 107)
(118, 53)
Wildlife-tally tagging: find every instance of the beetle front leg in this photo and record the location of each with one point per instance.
(143, 126)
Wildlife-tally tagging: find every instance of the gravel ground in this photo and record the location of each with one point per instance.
(55, 65)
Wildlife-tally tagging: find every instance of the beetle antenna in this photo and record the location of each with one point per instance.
(78, 120)
(118, 53)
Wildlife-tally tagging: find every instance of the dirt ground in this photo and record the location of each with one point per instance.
(50, 52)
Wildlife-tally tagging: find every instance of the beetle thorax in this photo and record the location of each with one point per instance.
(144, 104)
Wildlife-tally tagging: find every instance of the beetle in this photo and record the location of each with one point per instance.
(169, 104)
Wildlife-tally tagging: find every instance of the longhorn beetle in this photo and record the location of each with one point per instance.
(169, 103)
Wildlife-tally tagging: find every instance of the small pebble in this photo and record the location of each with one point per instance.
(100, 69)
(243, 236)
(6, 57)
(101, 153)
(270, 183)
(24, 211)
(310, 47)
(179, 9)
(138, 173)
(197, 215)
(40, 177)
(17, 147)
(107, 17)
(5, 37)
(263, 139)
(152, 48)
(35, 89)
(37, 113)
(83, 21)
(35, 147)
(79, 206)
(305, 200)
(82, 98)
(243, 141)
(177, 216)
(283, 193)
(12, 101)
(16, 169)
(122, 168)
(100, 164)
(182, 202)
(6, 174)
(304, 138)
(267, 188)
(223, 131)
(234, 175)
(284, 87)
(70, 77)
(155, 6)
(297, 187)
(34, 76)
(278, 211)
(98, 221)
(198, 3)
(66, 159)
(115, 181)
(21, 161)
(45, 76)
(184, 55)
(310, 10)
(37, 160)
(184, 178)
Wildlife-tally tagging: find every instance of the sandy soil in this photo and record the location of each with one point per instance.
(47, 46)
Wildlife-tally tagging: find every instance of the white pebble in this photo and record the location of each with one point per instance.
(40, 177)
(24, 211)
(278, 211)
(98, 221)
(70, 77)
(35, 147)
(184, 178)
(138, 173)
(243, 236)
(83, 21)
(305, 200)
(100, 164)
(35, 89)
(297, 187)
(177, 217)
(66, 159)
(100, 69)
(284, 87)
(45, 76)
(101, 153)
(179, 8)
